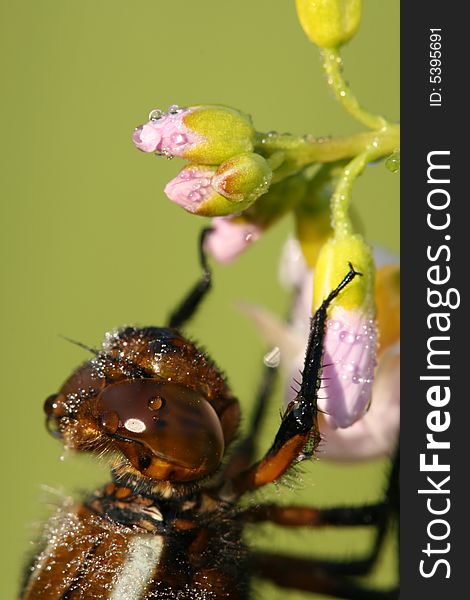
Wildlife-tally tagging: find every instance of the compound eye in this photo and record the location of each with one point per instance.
(109, 421)
(166, 430)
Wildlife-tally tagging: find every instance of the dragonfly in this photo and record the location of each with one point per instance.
(170, 522)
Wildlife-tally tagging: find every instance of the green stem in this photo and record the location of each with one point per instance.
(299, 152)
(341, 198)
(332, 64)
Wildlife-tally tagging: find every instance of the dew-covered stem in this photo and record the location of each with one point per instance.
(332, 65)
(341, 198)
(299, 152)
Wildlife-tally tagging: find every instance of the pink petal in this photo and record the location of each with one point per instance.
(167, 134)
(230, 238)
(349, 361)
(147, 137)
(191, 187)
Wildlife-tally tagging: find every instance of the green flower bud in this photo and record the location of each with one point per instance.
(243, 178)
(329, 23)
(223, 133)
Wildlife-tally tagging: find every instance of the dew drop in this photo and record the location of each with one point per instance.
(393, 162)
(273, 357)
(156, 403)
(156, 114)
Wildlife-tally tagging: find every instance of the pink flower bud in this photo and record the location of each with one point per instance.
(230, 237)
(224, 190)
(201, 134)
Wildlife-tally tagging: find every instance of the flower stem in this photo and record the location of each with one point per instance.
(299, 152)
(332, 63)
(341, 198)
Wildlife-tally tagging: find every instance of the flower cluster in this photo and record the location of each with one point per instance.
(247, 181)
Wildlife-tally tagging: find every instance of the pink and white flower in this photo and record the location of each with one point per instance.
(359, 419)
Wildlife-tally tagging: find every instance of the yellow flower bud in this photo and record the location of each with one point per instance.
(329, 23)
(332, 264)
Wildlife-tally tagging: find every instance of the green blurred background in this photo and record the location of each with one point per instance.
(89, 242)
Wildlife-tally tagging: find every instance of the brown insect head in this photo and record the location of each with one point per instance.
(153, 397)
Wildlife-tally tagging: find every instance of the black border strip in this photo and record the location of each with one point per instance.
(427, 128)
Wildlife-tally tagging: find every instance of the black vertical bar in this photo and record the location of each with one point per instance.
(435, 246)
